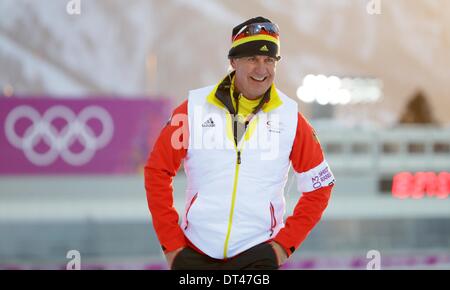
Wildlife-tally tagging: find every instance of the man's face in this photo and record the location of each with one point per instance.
(254, 74)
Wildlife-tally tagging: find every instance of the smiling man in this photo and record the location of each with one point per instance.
(235, 206)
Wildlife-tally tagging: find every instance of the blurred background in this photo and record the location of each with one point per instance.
(86, 86)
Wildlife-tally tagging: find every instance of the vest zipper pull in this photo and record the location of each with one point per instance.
(239, 157)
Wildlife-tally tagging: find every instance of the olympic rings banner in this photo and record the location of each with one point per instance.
(87, 136)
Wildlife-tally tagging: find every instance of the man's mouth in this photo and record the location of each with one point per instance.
(261, 79)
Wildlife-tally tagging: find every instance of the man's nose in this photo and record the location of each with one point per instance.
(261, 66)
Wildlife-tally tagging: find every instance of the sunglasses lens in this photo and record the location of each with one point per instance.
(268, 27)
(256, 28)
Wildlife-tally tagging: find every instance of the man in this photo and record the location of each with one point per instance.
(233, 216)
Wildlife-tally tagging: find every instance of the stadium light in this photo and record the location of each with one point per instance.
(339, 91)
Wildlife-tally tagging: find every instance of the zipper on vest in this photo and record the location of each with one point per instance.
(233, 195)
(233, 201)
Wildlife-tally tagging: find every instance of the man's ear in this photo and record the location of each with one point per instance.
(233, 63)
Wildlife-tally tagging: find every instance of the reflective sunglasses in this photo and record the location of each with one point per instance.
(257, 28)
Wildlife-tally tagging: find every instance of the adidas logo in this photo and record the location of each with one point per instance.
(209, 123)
(264, 48)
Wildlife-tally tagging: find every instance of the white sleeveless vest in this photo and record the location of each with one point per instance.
(235, 201)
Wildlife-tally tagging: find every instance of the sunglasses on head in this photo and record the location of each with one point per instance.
(257, 28)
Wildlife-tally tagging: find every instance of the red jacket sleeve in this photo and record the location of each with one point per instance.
(162, 165)
(315, 180)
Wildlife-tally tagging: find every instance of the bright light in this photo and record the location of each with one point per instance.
(334, 100)
(305, 95)
(343, 96)
(309, 81)
(334, 90)
(322, 97)
(334, 83)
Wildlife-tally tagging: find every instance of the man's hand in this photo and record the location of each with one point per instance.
(280, 253)
(170, 256)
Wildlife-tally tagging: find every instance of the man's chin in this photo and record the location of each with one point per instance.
(255, 96)
(261, 91)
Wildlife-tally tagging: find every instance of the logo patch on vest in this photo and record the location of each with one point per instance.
(208, 123)
(273, 127)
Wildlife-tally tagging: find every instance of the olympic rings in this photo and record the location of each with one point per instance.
(42, 129)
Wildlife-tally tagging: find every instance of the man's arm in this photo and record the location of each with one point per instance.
(315, 181)
(162, 165)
